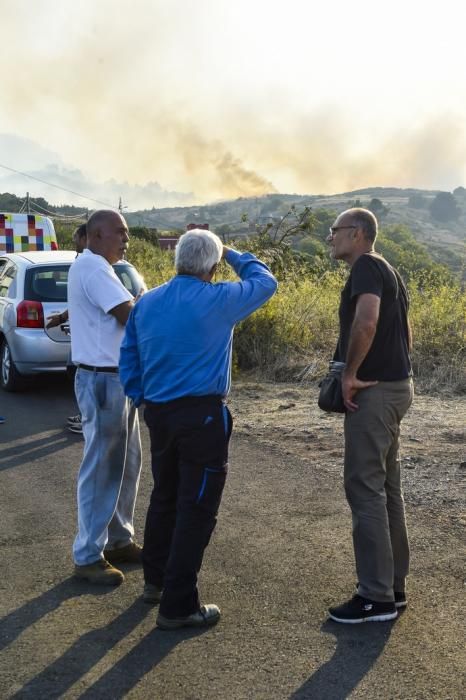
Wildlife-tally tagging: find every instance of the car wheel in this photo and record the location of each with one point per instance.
(10, 379)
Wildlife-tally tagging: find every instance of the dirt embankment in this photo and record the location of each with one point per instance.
(433, 439)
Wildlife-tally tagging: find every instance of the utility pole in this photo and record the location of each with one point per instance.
(121, 206)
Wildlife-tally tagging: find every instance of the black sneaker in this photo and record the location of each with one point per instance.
(400, 598)
(360, 609)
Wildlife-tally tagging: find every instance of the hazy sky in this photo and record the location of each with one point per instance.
(179, 101)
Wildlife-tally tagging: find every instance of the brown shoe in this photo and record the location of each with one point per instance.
(152, 594)
(129, 554)
(206, 616)
(100, 572)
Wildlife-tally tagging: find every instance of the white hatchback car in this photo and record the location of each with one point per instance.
(33, 286)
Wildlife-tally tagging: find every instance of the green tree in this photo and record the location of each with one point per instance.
(444, 207)
(398, 245)
(144, 233)
(312, 247)
(377, 207)
(417, 201)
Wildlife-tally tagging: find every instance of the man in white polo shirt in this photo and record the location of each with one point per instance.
(99, 306)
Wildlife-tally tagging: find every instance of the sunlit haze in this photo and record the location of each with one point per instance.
(182, 102)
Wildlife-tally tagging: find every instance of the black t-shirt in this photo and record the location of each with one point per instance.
(388, 357)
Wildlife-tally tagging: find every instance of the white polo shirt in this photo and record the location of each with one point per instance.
(94, 289)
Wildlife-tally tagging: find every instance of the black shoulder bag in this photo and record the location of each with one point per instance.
(330, 394)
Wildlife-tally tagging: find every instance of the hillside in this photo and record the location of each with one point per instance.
(233, 218)
(445, 241)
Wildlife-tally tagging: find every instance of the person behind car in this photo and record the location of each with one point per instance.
(79, 239)
(99, 306)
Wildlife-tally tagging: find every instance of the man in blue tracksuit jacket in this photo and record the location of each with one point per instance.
(176, 359)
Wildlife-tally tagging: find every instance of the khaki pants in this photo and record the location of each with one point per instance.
(373, 488)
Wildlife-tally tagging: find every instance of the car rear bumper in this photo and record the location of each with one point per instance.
(31, 368)
(34, 352)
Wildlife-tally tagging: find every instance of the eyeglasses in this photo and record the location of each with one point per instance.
(334, 229)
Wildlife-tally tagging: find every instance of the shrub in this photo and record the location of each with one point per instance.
(143, 233)
(438, 319)
(294, 335)
(155, 265)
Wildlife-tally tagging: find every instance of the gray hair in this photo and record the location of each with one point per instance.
(197, 251)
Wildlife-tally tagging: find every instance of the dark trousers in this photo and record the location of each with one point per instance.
(189, 447)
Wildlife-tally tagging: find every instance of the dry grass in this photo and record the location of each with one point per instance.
(293, 336)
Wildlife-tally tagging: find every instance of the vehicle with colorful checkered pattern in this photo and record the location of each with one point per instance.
(24, 232)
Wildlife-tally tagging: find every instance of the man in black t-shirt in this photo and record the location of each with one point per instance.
(374, 342)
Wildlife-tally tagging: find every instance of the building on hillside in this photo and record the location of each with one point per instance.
(167, 242)
(190, 227)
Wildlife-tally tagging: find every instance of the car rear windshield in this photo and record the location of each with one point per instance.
(47, 283)
(129, 277)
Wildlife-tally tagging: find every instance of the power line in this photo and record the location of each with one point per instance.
(56, 215)
(58, 187)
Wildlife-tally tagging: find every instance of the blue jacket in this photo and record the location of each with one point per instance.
(178, 339)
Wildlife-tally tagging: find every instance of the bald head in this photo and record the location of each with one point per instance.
(363, 219)
(352, 234)
(107, 234)
(99, 218)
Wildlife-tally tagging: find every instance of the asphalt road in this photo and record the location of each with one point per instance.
(280, 555)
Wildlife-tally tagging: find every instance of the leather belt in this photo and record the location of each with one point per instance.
(114, 370)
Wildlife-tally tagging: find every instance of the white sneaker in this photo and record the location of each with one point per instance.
(206, 616)
(74, 419)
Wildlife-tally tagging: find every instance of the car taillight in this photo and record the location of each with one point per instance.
(53, 246)
(30, 314)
